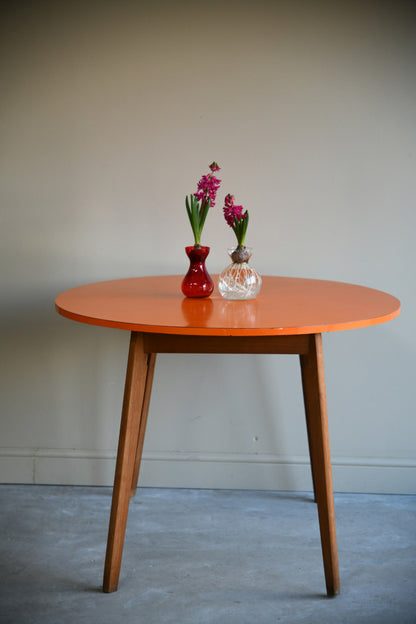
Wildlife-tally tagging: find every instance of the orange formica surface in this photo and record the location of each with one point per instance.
(284, 306)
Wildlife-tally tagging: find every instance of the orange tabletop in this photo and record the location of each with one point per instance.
(285, 306)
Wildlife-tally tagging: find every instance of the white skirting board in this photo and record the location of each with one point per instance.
(209, 470)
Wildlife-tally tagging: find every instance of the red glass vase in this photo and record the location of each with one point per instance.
(197, 282)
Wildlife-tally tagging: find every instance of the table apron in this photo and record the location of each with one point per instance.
(175, 343)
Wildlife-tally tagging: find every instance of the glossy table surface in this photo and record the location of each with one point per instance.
(285, 306)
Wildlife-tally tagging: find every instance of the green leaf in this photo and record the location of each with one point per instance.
(188, 210)
(204, 214)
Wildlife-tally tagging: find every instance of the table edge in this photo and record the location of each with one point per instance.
(213, 331)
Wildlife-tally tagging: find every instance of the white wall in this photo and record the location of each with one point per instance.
(110, 112)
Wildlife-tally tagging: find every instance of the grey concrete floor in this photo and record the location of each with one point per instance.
(204, 556)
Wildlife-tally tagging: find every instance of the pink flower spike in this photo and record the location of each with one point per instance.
(214, 166)
(207, 188)
(228, 215)
(232, 212)
(229, 200)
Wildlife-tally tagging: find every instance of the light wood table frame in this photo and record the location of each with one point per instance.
(288, 317)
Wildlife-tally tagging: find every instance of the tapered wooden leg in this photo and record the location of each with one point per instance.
(308, 417)
(145, 410)
(313, 379)
(134, 392)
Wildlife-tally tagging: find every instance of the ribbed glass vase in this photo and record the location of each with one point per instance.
(239, 280)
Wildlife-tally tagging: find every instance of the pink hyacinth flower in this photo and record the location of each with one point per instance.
(229, 200)
(207, 188)
(231, 211)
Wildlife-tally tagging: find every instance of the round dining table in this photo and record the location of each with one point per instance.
(288, 316)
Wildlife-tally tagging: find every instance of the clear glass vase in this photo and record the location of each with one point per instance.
(238, 280)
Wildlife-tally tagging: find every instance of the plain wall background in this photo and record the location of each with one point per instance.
(110, 113)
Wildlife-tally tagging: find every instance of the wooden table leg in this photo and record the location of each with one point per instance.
(134, 393)
(145, 410)
(304, 373)
(313, 380)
